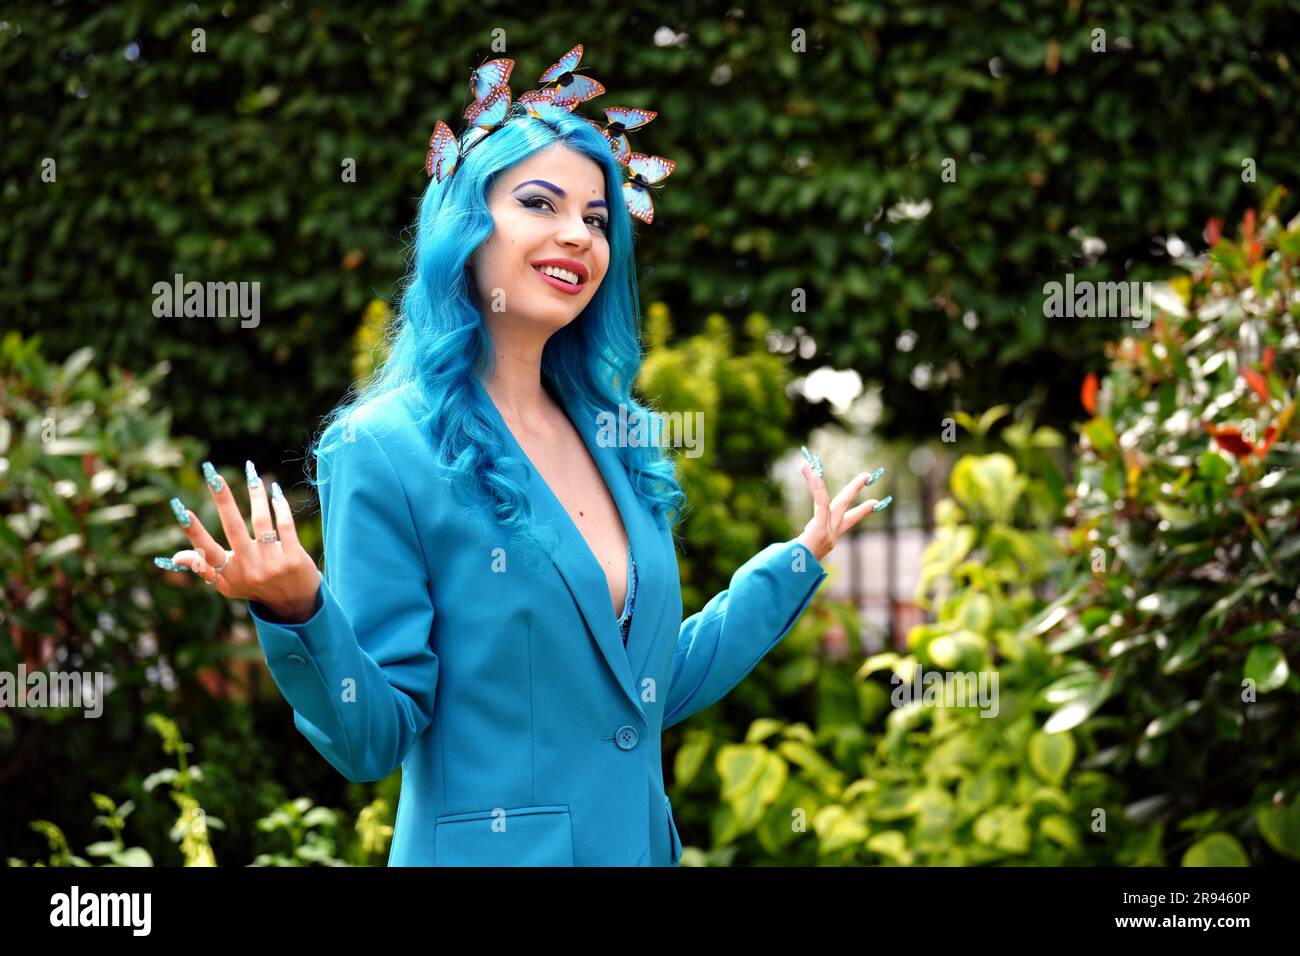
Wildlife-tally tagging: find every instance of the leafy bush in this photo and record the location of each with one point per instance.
(312, 833)
(810, 160)
(950, 781)
(1185, 624)
(737, 391)
(87, 465)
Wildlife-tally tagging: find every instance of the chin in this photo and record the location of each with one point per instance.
(557, 316)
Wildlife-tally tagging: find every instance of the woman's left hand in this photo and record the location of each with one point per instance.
(831, 519)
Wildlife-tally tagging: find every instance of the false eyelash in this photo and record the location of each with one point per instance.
(604, 223)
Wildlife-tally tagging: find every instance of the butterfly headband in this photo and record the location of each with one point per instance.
(562, 90)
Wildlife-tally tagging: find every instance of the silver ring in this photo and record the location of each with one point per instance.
(268, 537)
(222, 566)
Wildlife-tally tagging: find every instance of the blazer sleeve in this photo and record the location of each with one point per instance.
(360, 674)
(720, 645)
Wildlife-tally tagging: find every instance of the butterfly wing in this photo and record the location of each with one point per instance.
(579, 89)
(489, 76)
(619, 146)
(485, 117)
(444, 153)
(566, 64)
(638, 202)
(542, 105)
(491, 111)
(630, 117)
(652, 169)
(484, 81)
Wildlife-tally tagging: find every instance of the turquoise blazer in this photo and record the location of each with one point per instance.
(527, 734)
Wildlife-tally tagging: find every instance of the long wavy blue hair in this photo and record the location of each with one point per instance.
(439, 339)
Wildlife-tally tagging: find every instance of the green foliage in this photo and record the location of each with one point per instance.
(738, 391)
(311, 832)
(191, 827)
(952, 777)
(299, 821)
(115, 850)
(87, 465)
(796, 170)
(1185, 619)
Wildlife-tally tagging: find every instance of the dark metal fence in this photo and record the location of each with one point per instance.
(879, 563)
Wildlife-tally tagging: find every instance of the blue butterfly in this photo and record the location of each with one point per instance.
(484, 81)
(620, 121)
(541, 104)
(485, 116)
(571, 88)
(646, 171)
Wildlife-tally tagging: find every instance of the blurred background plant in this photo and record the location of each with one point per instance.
(871, 190)
(1187, 533)
(304, 834)
(878, 778)
(895, 179)
(88, 462)
(1146, 714)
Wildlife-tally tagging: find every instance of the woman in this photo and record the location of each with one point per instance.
(481, 534)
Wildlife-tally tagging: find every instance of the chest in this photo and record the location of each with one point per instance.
(573, 477)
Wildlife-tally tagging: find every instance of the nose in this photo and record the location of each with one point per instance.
(574, 232)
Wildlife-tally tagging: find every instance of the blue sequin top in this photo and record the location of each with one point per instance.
(625, 622)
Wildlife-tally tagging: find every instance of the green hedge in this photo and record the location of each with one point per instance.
(226, 166)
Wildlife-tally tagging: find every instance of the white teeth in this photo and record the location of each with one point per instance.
(558, 273)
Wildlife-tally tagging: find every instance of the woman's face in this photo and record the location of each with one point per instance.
(550, 208)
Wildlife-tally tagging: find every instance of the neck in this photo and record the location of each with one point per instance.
(515, 386)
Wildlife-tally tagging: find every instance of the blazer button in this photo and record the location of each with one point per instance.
(625, 737)
(296, 660)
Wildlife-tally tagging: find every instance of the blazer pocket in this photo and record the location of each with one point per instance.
(676, 841)
(520, 836)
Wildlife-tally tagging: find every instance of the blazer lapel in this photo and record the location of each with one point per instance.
(647, 545)
(579, 568)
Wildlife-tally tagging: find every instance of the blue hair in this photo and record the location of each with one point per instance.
(438, 338)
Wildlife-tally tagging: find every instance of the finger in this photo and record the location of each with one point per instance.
(257, 503)
(204, 571)
(854, 515)
(846, 496)
(821, 500)
(203, 542)
(232, 521)
(284, 523)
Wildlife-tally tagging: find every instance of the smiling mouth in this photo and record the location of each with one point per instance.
(561, 278)
(557, 282)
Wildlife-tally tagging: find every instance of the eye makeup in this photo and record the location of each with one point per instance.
(531, 202)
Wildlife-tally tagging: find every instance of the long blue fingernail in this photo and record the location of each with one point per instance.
(814, 461)
(181, 514)
(167, 564)
(276, 493)
(883, 503)
(213, 479)
(251, 474)
(875, 476)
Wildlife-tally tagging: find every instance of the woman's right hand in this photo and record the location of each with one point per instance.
(279, 574)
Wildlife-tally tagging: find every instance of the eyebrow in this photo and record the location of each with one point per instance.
(557, 190)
